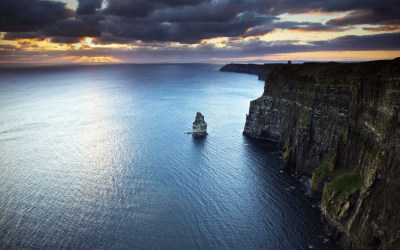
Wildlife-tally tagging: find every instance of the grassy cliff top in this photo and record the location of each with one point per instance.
(383, 68)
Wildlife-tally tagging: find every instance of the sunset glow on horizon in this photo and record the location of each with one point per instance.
(125, 31)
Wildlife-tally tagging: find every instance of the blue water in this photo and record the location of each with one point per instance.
(95, 157)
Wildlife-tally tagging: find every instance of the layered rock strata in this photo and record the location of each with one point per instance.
(340, 124)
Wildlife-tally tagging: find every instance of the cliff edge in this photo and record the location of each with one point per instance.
(262, 70)
(339, 123)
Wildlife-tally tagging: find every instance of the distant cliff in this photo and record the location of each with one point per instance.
(340, 123)
(262, 70)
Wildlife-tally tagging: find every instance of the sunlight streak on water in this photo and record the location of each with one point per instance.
(96, 157)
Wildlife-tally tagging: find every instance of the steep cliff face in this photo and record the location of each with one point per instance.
(340, 124)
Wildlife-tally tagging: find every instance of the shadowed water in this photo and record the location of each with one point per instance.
(96, 157)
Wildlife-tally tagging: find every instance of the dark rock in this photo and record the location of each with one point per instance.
(199, 125)
(340, 122)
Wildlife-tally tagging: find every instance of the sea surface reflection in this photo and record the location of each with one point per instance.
(95, 157)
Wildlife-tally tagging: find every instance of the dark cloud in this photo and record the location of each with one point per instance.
(178, 3)
(88, 7)
(7, 47)
(75, 27)
(222, 11)
(23, 35)
(68, 30)
(129, 8)
(62, 39)
(186, 32)
(390, 41)
(107, 38)
(258, 30)
(383, 28)
(380, 15)
(257, 47)
(143, 8)
(30, 15)
(301, 6)
(308, 26)
(188, 21)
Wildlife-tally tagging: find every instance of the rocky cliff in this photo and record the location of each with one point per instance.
(262, 70)
(199, 125)
(339, 123)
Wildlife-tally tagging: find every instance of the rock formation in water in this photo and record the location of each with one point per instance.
(199, 125)
(262, 70)
(340, 124)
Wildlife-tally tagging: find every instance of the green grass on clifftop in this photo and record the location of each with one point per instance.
(345, 185)
(256, 101)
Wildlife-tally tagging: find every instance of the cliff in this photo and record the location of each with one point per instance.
(262, 70)
(339, 123)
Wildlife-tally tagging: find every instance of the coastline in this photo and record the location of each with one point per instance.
(318, 112)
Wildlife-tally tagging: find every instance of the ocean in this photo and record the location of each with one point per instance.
(95, 157)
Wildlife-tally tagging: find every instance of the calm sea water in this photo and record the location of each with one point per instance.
(95, 157)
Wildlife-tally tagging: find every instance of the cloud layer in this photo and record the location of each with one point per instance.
(189, 22)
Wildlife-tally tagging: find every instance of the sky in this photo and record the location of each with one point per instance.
(186, 31)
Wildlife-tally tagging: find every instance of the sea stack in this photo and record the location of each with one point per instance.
(199, 125)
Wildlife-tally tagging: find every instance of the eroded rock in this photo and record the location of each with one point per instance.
(199, 126)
